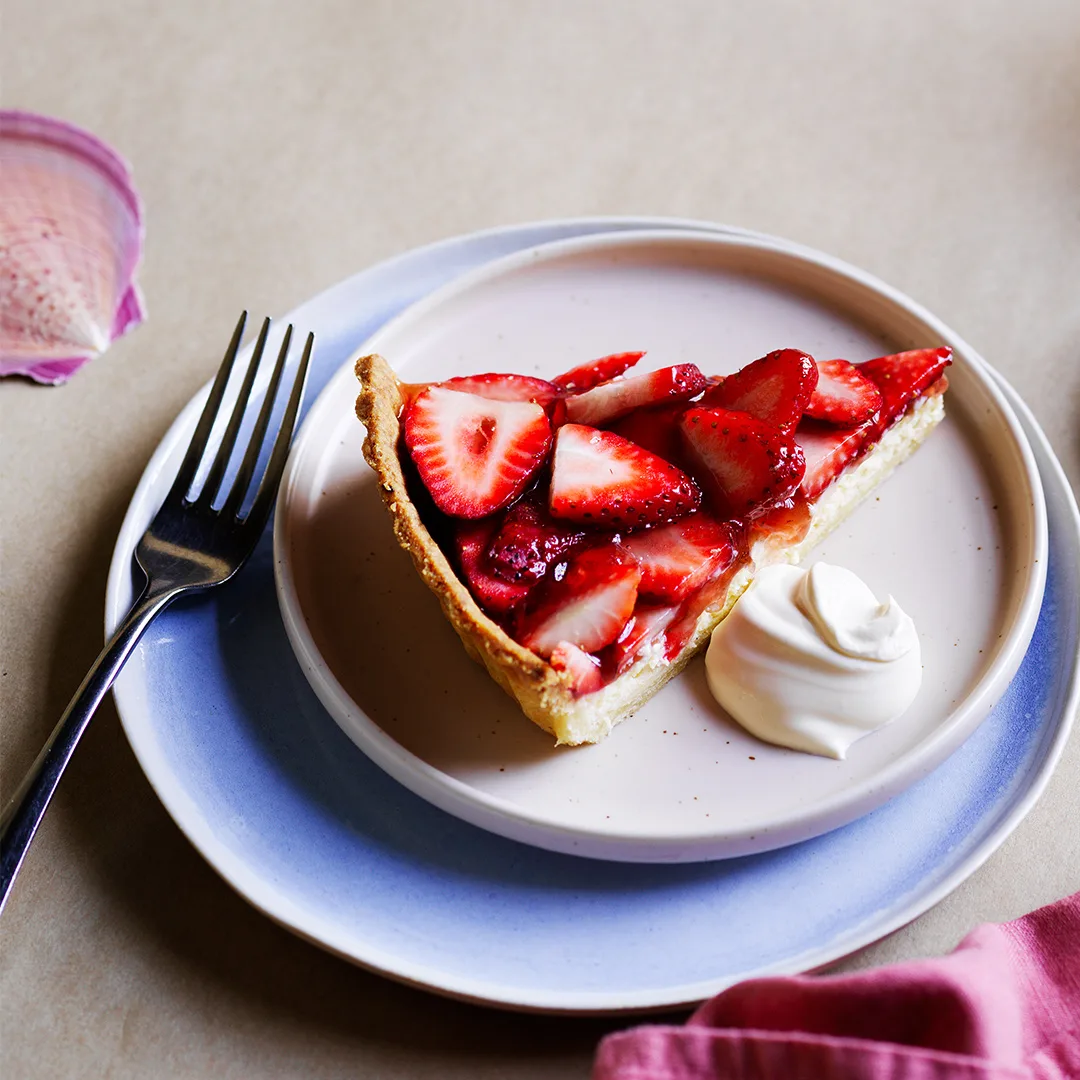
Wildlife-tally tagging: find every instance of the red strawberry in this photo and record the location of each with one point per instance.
(595, 372)
(775, 389)
(505, 387)
(528, 541)
(582, 668)
(588, 606)
(827, 450)
(557, 413)
(679, 631)
(676, 559)
(902, 377)
(655, 430)
(743, 464)
(475, 455)
(647, 625)
(616, 398)
(599, 478)
(471, 539)
(786, 523)
(843, 395)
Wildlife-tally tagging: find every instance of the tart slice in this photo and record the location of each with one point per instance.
(584, 536)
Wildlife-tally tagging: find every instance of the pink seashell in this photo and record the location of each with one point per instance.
(71, 235)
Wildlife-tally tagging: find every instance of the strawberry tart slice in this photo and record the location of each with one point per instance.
(586, 535)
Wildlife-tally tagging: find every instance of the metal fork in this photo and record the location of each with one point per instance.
(190, 546)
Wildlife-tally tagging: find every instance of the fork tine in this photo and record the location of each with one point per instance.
(228, 440)
(189, 466)
(260, 508)
(251, 457)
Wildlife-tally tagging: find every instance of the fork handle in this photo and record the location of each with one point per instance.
(24, 811)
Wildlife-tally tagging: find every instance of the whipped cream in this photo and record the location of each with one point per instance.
(811, 660)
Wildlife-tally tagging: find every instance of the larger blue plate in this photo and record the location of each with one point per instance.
(302, 824)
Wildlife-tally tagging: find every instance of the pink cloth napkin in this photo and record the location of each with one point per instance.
(1004, 1006)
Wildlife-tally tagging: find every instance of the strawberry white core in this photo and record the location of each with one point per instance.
(475, 454)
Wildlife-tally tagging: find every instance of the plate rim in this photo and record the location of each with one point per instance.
(271, 902)
(502, 816)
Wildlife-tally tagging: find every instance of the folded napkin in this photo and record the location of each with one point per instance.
(1004, 1006)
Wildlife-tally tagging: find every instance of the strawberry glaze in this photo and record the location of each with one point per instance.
(541, 578)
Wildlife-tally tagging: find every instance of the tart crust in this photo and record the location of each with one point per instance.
(544, 694)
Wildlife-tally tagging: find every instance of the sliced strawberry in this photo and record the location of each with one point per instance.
(711, 595)
(902, 377)
(827, 450)
(743, 464)
(586, 376)
(616, 398)
(655, 430)
(582, 668)
(783, 525)
(498, 387)
(646, 627)
(599, 478)
(588, 606)
(843, 395)
(528, 541)
(678, 558)
(471, 540)
(775, 389)
(475, 455)
(557, 413)
(899, 378)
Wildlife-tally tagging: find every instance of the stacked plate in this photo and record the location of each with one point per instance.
(319, 734)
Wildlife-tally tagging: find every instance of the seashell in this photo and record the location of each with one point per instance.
(71, 234)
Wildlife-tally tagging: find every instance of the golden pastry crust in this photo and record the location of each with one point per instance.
(543, 693)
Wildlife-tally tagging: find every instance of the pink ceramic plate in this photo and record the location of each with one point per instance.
(958, 535)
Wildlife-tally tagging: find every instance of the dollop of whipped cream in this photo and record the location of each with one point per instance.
(810, 659)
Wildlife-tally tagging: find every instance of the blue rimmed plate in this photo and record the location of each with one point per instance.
(303, 825)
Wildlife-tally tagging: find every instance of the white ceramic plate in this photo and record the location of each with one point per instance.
(958, 535)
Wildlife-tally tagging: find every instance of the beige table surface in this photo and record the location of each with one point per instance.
(283, 146)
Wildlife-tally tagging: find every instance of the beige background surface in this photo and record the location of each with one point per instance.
(282, 146)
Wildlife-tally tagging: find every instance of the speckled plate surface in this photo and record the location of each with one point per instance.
(310, 831)
(957, 535)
